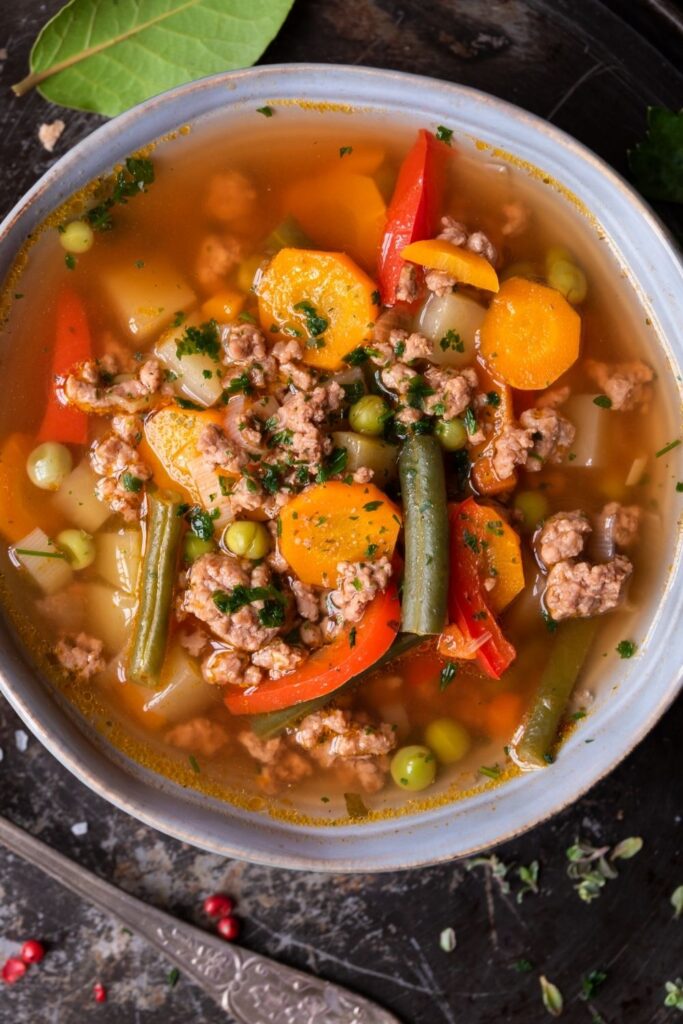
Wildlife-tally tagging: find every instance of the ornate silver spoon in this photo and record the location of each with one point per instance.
(253, 989)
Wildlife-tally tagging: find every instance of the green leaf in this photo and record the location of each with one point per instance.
(106, 57)
(552, 997)
(657, 162)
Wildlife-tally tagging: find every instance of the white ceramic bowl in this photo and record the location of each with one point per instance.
(632, 694)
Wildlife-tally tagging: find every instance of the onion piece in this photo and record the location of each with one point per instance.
(390, 320)
(602, 545)
(452, 644)
(240, 410)
(635, 473)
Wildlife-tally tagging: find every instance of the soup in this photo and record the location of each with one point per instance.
(327, 463)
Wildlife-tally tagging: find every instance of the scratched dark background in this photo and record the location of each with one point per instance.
(592, 68)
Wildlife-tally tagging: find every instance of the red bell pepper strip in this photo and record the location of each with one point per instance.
(466, 601)
(355, 649)
(63, 422)
(413, 210)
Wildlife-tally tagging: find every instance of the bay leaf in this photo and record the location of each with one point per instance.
(107, 55)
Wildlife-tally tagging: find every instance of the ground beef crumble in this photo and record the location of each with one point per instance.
(627, 385)
(198, 736)
(552, 436)
(511, 448)
(626, 521)
(581, 590)
(80, 654)
(90, 386)
(221, 573)
(358, 583)
(562, 536)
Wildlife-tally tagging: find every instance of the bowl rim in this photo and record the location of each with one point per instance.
(373, 846)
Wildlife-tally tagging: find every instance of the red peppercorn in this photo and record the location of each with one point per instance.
(32, 952)
(100, 992)
(228, 928)
(13, 970)
(218, 905)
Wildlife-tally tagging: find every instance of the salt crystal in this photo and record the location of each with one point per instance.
(21, 740)
(80, 828)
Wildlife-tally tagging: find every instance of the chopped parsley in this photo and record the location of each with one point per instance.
(335, 464)
(471, 541)
(667, 448)
(179, 318)
(200, 341)
(372, 506)
(272, 614)
(131, 483)
(200, 522)
(375, 297)
(185, 403)
(371, 550)
(129, 182)
(444, 134)
(352, 637)
(604, 401)
(470, 421)
(172, 977)
(354, 391)
(452, 340)
(70, 261)
(590, 984)
(361, 354)
(493, 398)
(345, 150)
(315, 324)
(266, 111)
(626, 648)
(271, 479)
(550, 623)
(491, 771)
(194, 764)
(418, 390)
(239, 385)
(447, 675)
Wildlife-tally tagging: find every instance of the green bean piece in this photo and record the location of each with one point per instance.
(425, 580)
(534, 745)
(272, 723)
(157, 580)
(287, 235)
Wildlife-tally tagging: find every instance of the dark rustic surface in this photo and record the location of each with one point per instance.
(580, 64)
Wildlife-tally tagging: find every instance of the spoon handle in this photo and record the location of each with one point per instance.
(253, 989)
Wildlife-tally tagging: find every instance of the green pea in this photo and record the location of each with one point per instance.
(532, 507)
(78, 546)
(368, 415)
(77, 237)
(246, 272)
(452, 434)
(247, 539)
(449, 740)
(523, 268)
(194, 547)
(413, 767)
(565, 276)
(49, 465)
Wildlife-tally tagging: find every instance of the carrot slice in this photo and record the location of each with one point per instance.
(340, 210)
(336, 522)
(321, 297)
(353, 651)
(530, 335)
(22, 505)
(462, 264)
(63, 422)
